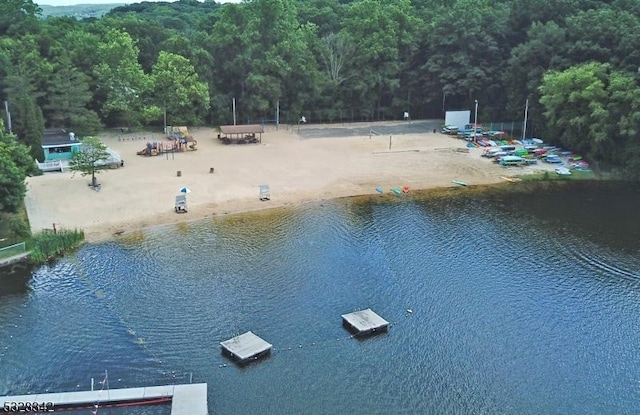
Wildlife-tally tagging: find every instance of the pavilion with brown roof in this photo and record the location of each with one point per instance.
(241, 134)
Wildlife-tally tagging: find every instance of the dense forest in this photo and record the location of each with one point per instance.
(577, 63)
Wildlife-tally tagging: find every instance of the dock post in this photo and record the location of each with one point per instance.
(91, 384)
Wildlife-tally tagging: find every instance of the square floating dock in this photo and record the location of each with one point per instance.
(365, 321)
(246, 346)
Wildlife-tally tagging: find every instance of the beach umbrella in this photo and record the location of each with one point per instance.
(185, 190)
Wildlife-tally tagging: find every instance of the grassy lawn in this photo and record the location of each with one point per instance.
(14, 227)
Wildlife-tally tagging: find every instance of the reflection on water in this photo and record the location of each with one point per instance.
(519, 307)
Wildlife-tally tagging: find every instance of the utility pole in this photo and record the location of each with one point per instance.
(234, 111)
(6, 110)
(165, 118)
(524, 124)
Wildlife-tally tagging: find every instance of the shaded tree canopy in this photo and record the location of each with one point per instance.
(358, 60)
(15, 165)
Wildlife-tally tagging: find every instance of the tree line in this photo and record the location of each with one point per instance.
(576, 61)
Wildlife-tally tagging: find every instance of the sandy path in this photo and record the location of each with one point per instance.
(297, 170)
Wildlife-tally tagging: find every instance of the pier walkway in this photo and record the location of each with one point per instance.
(188, 399)
(14, 259)
(10, 255)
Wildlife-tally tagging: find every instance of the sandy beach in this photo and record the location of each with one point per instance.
(297, 170)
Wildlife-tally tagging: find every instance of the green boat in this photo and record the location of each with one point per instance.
(458, 182)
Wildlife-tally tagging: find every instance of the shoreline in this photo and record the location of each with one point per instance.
(298, 170)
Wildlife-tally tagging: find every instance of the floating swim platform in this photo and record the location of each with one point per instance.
(458, 182)
(246, 346)
(365, 322)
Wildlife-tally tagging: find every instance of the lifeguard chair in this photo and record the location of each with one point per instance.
(181, 204)
(265, 193)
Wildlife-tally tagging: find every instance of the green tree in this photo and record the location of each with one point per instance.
(15, 164)
(591, 34)
(122, 82)
(178, 90)
(25, 72)
(86, 161)
(67, 98)
(17, 16)
(148, 35)
(596, 111)
(527, 64)
(28, 124)
(384, 35)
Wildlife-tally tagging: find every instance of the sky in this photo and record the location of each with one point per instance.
(72, 2)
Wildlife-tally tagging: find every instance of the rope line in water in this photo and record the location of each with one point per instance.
(137, 340)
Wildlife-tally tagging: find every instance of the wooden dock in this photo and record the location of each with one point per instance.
(188, 399)
(365, 322)
(246, 346)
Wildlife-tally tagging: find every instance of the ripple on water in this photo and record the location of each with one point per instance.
(509, 315)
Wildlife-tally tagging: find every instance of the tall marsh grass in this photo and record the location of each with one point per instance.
(46, 245)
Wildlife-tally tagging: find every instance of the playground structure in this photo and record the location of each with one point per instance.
(181, 135)
(180, 141)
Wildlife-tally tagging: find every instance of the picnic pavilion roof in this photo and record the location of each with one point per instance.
(242, 129)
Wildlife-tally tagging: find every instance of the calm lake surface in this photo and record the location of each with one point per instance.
(523, 302)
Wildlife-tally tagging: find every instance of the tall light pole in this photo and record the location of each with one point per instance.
(234, 111)
(165, 118)
(444, 99)
(475, 117)
(524, 123)
(6, 111)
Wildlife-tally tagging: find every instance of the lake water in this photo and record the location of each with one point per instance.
(523, 302)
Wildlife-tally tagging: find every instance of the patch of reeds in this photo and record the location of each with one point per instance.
(133, 238)
(47, 245)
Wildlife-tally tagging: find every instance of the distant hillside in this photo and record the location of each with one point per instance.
(79, 11)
